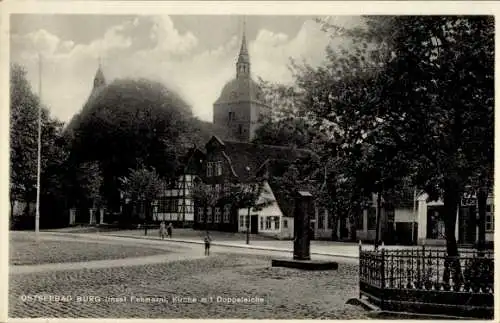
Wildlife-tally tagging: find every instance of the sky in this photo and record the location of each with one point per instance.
(192, 55)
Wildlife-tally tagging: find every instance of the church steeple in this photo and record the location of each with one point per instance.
(243, 63)
(99, 79)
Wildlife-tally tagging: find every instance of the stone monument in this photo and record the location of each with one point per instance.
(304, 209)
(301, 224)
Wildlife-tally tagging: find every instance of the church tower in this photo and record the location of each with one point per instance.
(99, 84)
(99, 80)
(240, 108)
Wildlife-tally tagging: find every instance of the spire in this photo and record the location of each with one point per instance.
(99, 79)
(243, 63)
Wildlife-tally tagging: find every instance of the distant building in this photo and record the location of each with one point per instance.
(240, 107)
(98, 85)
(175, 203)
(228, 162)
(431, 225)
(398, 220)
(418, 220)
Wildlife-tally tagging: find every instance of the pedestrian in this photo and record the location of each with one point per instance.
(162, 230)
(169, 230)
(207, 244)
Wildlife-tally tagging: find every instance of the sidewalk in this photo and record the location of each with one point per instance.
(323, 248)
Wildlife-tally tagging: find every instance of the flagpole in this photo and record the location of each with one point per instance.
(37, 215)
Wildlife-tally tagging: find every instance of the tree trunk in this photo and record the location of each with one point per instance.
(451, 199)
(146, 210)
(27, 207)
(482, 196)
(12, 205)
(248, 227)
(377, 226)
(334, 211)
(335, 228)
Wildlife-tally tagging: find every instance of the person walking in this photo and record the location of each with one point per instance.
(207, 244)
(169, 230)
(162, 230)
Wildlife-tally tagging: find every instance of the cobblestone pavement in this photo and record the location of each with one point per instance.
(287, 293)
(26, 249)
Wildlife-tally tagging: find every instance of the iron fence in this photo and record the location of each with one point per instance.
(427, 280)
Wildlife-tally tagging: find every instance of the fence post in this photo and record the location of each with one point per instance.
(424, 275)
(382, 279)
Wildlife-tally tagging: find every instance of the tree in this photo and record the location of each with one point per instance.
(340, 100)
(431, 86)
(89, 182)
(251, 195)
(450, 109)
(55, 176)
(205, 196)
(24, 110)
(290, 131)
(142, 186)
(23, 137)
(129, 123)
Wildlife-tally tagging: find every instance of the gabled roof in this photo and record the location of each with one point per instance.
(191, 162)
(243, 155)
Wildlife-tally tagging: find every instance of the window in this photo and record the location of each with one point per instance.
(285, 224)
(268, 222)
(261, 223)
(227, 210)
(201, 215)
(217, 215)
(209, 215)
(242, 221)
(227, 188)
(218, 168)
(231, 115)
(276, 222)
(217, 188)
(321, 220)
(240, 129)
(489, 218)
(210, 170)
(163, 205)
(189, 205)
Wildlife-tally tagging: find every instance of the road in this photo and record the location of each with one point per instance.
(119, 288)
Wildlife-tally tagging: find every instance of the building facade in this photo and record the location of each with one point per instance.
(175, 203)
(229, 162)
(323, 225)
(431, 225)
(421, 223)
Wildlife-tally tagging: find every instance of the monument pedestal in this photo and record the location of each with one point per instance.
(301, 245)
(305, 264)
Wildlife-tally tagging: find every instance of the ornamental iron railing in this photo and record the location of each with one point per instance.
(426, 280)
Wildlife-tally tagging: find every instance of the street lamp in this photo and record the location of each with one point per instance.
(249, 206)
